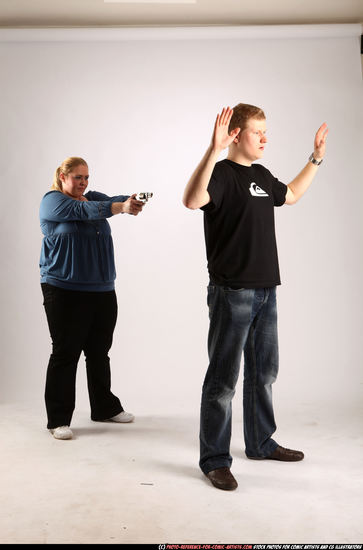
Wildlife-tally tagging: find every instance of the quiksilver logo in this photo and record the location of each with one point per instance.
(256, 191)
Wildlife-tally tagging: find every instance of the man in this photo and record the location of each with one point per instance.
(238, 200)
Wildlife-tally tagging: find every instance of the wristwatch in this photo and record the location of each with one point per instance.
(314, 161)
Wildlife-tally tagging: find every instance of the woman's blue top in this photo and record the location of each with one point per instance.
(77, 249)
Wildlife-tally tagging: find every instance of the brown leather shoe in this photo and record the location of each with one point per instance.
(286, 455)
(222, 479)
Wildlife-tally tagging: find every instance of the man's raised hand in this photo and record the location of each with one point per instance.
(221, 138)
(319, 142)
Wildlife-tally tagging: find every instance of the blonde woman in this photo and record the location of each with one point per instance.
(77, 279)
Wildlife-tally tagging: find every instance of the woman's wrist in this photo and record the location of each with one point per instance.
(117, 208)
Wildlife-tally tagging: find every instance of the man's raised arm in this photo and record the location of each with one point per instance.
(196, 194)
(301, 183)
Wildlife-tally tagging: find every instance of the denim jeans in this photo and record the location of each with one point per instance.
(240, 320)
(79, 321)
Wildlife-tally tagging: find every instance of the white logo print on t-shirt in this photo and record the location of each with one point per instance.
(256, 191)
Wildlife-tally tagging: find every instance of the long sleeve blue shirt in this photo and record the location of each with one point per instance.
(77, 248)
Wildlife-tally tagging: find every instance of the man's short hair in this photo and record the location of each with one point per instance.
(242, 113)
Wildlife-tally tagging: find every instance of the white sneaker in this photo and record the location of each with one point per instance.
(122, 417)
(62, 432)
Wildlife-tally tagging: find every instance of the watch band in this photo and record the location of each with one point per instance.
(314, 161)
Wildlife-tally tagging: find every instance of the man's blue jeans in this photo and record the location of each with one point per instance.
(240, 320)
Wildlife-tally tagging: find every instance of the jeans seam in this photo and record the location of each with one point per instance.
(254, 362)
(216, 378)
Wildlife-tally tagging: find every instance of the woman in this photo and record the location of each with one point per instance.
(77, 279)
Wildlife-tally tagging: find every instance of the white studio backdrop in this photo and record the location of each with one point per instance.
(139, 105)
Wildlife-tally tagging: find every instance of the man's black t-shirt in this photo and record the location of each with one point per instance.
(239, 225)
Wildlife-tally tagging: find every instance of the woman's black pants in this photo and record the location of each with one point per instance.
(79, 321)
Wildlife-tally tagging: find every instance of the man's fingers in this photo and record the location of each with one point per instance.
(225, 116)
(323, 130)
(228, 115)
(321, 135)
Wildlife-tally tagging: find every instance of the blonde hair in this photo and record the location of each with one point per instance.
(65, 168)
(241, 115)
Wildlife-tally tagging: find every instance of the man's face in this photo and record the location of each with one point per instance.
(75, 183)
(251, 142)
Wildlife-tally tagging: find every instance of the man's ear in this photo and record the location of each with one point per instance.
(237, 137)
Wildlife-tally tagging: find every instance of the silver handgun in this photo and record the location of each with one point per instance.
(144, 197)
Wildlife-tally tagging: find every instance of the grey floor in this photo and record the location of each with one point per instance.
(140, 483)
